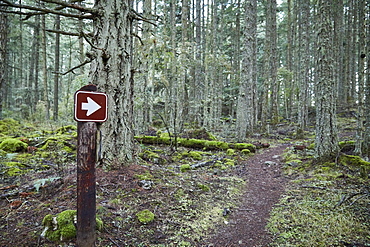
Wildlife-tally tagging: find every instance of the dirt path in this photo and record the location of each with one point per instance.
(246, 224)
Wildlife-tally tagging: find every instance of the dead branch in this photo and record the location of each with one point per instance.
(206, 163)
(76, 67)
(39, 10)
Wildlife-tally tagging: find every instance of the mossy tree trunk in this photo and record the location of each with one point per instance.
(111, 71)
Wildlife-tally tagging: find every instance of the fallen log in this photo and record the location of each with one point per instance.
(195, 143)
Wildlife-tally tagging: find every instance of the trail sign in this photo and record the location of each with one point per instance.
(90, 106)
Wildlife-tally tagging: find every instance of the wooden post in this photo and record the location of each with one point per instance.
(86, 191)
(86, 194)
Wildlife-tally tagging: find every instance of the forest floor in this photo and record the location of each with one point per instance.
(273, 197)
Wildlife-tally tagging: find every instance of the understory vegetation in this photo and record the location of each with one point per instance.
(177, 195)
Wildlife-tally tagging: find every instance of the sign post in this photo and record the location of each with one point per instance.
(90, 107)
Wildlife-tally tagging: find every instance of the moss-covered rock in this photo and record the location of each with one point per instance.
(241, 146)
(12, 145)
(61, 228)
(145, 216)
(356, 164)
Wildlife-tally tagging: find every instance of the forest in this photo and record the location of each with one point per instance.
(204, 97)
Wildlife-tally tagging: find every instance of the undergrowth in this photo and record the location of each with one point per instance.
(324, 205)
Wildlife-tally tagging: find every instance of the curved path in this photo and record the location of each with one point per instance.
(265, 183)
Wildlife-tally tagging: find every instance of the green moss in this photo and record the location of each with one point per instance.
(61, 228)
(145, 216)
(216, 145)
(346, 143)
(9, 127)
(229, 162)
(245, 151)
(241, 146)
(355, 163)
(145, 176)
(13, 145)
(195, 155)
(203, 187)
(66, 129)
(230, 152)
(185, 167)
(14, 168)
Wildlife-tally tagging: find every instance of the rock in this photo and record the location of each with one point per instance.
(270, 163)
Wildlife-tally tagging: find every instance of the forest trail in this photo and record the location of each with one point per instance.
(246, 224)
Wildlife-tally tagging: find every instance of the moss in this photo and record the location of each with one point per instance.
(145, 216)
(245, 151)
(346, 143)
(61, 228)
(13, 168)
(229, 162)
(13, 145)
(66, 129)
(9, 126)
(241, 146)
(230, 152)
(195, 155)
(145, 176)
(203, 187)
(185, 167)
(357, 164)
(216, 145)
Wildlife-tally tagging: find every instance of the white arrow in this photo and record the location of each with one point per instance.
(91, 106)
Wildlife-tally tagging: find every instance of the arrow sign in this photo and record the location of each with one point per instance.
(90, 106)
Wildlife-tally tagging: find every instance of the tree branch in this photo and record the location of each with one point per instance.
(43, 10)
(72, 6)
(78, 66)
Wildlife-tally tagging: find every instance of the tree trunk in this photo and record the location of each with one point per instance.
(44, 68)
(247, 88)
(304, 41)
(111, 71)
(361, 77)
(3, 58)
(56, 68)
(366, 147)
(326, 142)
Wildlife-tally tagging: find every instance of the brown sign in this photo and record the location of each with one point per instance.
(91, 106)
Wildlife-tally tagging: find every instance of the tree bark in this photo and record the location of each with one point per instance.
(247, 87)
(111, 72)
(326, 142)
(3, 58)
(56, 68)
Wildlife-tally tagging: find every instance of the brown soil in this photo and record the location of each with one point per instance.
(246, 224)
(243, 226)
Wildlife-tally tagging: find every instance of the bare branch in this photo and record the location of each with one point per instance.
(72, 6)
(68, 33)
(44, 10)
(78, 66)
(139, 17)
